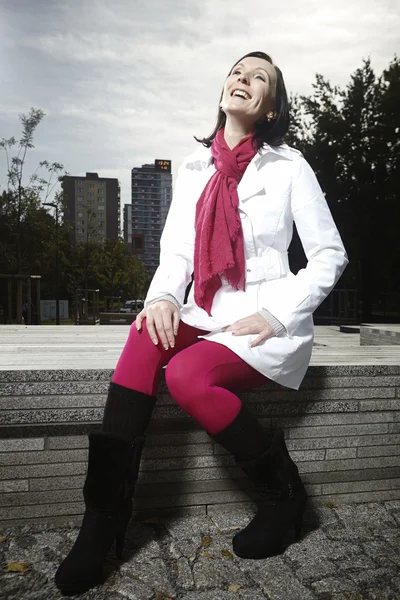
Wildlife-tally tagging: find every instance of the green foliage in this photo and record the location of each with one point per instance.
(118, 270)
(351, 139)
(26, 236)
(108, 266)
(26, 230)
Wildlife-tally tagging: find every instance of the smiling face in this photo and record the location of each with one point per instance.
(249, 90)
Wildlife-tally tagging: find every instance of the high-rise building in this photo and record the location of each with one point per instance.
(144, 219)
(127, 218)
(92, 207)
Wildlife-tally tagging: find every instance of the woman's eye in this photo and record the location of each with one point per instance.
(234, 72)
(260, 77)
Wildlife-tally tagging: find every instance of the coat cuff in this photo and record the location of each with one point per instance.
(168, 297)
(276, 325)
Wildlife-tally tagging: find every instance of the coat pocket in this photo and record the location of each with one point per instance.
(286, 299)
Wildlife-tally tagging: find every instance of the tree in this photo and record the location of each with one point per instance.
(25, 243)
(108, 266)
(350, 137)
(119, 270)
(28, 230)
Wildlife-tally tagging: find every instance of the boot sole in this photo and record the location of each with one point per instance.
(67, 590)
(296, 534)
(277, 553)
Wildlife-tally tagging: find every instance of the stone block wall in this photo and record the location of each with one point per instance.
(342, 428)
(379, 335)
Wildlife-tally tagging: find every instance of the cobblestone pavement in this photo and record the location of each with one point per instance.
(347, 552)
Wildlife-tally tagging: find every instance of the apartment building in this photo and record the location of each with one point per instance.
(92, 210)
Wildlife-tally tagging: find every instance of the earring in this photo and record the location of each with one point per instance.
(271, 115)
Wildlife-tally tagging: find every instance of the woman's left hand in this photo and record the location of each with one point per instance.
(253, 324)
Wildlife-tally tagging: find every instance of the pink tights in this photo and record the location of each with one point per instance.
(200, 375)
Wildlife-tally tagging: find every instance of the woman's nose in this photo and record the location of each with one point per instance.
(243, 78)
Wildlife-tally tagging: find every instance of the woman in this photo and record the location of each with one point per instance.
(247, 318)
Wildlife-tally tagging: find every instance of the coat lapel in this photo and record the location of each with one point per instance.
(253, 181)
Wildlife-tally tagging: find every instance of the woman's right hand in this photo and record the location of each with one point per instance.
(162, 318)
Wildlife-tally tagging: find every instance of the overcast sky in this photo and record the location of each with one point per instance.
(126, 81)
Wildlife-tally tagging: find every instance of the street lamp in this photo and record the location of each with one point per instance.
(53, 205)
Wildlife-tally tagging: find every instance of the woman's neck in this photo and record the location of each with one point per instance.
(235, 130)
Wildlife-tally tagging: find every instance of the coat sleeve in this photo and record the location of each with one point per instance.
(322, 245)
(176, 244)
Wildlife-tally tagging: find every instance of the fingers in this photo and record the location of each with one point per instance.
(162, 323)
(261, 338)
(263, 335)
(245, 330)
(167, 335)
(139, 319)
(150, 327)
(159, 327)
(175, 321)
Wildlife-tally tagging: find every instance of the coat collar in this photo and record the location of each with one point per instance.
(204, 155)
(252, 183)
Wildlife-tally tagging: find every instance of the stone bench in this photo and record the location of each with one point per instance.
(342, 429)
(380, 335)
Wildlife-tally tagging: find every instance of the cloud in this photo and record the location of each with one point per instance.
(124, 83)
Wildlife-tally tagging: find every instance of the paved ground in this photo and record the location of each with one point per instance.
(348, 552)
(88, 347)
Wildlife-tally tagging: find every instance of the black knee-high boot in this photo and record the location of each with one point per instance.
(264, 458)
(113, 467)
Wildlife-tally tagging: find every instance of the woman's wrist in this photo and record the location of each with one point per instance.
(276, 325)
(168, 297)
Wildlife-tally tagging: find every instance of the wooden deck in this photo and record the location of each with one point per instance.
(99, 347)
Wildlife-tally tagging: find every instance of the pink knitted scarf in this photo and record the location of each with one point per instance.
(219, 245)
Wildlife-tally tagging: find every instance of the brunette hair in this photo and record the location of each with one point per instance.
(270, 132)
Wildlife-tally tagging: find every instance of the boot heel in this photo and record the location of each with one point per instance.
(119, 542)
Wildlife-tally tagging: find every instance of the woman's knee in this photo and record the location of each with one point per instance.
(173, 373)
(143, 328)
(181, 380)
(140, 338)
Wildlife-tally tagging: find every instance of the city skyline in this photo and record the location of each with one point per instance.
(121, 85)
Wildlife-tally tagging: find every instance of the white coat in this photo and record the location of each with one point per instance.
(277, 189)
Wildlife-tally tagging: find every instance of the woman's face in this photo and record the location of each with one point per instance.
(249, 90)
